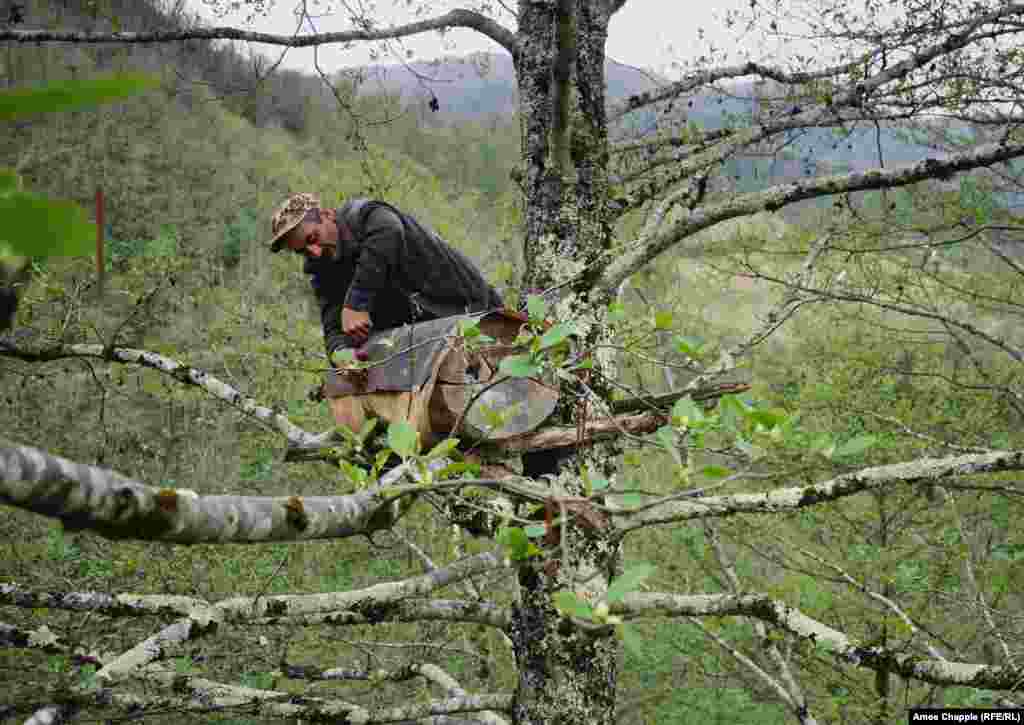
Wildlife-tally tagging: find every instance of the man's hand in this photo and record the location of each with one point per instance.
(355, 324)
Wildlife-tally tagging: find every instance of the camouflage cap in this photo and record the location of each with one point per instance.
(288, 216)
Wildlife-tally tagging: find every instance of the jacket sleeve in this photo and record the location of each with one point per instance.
(330, 294)
(378, 258)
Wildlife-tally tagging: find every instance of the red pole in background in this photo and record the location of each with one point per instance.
(99, 236)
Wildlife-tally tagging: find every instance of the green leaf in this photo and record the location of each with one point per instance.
(663, 320)
(599, 483)
(534, 531)
(731, 411)
(457, 468)
(367, 428)
(403, 439)
(495, 419)
(750, 450)
(343, 358)
(536, 307)
(9, 180)
(687, 411)
(629, 581)
(631, 500)
(667, 437)
(572, 606)
(689, 345)
(469, 328)
(515, 542)
(87, 677)
(855, 445)
(519, 366)
(555, 335)
(381, 458)
(631, 640)
(715, 471)
(616, 312)
(36, 227)
(353, 473)
(71, 95)
(768, 418)
(822, 442)
(443, 448)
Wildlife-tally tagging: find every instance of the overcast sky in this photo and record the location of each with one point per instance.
(646, 33)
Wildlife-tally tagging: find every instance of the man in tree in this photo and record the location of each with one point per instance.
(373, 266)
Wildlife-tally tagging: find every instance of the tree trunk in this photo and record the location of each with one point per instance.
(568, 670)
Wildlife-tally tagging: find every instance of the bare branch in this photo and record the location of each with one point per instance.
(111, 605)
(907, 309)
(707, 77)
(665, 400)
(767, 679)
(790, 690)
(458, 18)
(973, 582)
(818, 634)
(375, 603)
(923, 470)
(196, 694)
(888, 603)
(179, 371)
(41, 639)
(453, 689)
(635, 256)
(731, 357)
(407, 610)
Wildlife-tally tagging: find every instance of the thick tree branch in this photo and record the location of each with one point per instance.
(196, 694)
(41, 639)
(111, 605)
(635, 256)
(780, 614)
(98, 499)
(406, 610)
(376, 603)
(781, 500)
(458, 18)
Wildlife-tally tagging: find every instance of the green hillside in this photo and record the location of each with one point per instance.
(191, 174)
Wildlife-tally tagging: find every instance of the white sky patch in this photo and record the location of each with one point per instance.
(651, 34)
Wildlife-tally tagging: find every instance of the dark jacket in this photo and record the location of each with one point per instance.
(396, 269)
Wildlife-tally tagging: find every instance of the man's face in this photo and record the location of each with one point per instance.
(313, 238)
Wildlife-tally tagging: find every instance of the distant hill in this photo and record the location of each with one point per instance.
(480, 85)
(484, 84)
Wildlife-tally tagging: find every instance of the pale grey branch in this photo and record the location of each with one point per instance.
(827, 639)
(101, 500)
(629, 260)
(923, 470)
(458, 18)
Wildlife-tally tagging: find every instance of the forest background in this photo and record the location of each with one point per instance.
(190, 174)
